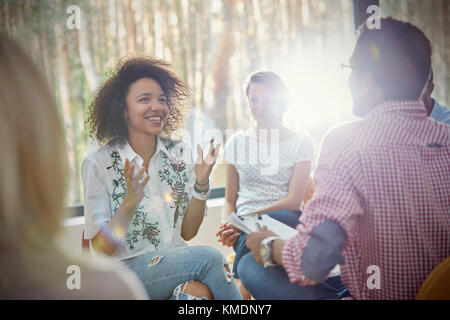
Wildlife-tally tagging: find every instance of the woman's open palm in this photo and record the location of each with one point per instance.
(135, 190)
(204, 165)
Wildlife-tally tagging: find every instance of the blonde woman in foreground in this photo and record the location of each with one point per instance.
(32, 190)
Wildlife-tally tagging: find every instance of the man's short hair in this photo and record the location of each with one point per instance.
(398, 55)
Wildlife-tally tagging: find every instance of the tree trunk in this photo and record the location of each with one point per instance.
(130, 26)
(66, 106)
(46, 53)
(147, 26)
(221, 68)
(87, 63)
(182, 45)
(157, 26)
(121, 40)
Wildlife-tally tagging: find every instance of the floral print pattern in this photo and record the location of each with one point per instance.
(141, 228)
(146, 228)
(119, 189)
(177, 180)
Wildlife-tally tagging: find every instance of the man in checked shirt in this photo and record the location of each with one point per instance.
(382, 204)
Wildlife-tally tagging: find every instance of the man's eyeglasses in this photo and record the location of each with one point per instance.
(347, 68)
(346, 65)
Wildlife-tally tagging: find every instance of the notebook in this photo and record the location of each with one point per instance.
(253, 223)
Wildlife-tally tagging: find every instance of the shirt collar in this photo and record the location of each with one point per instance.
(160, 146)
(414, 108)
(436, 108)
(126, 151)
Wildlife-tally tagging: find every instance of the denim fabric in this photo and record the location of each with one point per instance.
(287, 217)
(272, 283)
(324, 250)
(163, 277)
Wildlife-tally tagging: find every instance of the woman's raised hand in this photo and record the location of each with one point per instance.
(135, 190)
(204, 166)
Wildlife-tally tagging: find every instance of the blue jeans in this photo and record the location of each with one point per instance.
(287, 217)
(272, 283)
(164, 279)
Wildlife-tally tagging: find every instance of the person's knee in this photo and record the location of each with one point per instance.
(241, 268)
(205, 253)
(246, 271)
(290, 218)
(197, 289)
(214, 260)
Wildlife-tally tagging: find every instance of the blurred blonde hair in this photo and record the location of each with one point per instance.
(33, 154)
(33, 185)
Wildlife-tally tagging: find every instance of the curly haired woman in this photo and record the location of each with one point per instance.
(144, 196)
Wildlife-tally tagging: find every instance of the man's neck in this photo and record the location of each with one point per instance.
(373, 104)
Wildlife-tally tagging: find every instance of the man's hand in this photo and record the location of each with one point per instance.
(254, 240)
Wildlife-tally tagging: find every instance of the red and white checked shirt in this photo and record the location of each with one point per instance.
(386, 181)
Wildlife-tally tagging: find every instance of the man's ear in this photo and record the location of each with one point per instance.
(125, 113)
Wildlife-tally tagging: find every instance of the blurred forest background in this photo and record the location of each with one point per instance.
(214, 45)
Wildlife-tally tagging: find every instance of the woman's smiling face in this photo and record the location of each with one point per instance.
(147, 109)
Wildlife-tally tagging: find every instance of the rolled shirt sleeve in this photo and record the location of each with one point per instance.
(338, 199)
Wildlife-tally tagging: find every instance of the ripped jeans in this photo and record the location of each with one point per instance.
(164, 272)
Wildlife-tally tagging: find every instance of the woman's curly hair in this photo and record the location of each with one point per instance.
(105, 120)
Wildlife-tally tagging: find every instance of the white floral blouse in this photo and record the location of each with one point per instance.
(156, 223)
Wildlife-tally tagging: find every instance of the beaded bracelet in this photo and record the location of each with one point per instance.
(201, 195)
(201, 185)
(200, 191)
